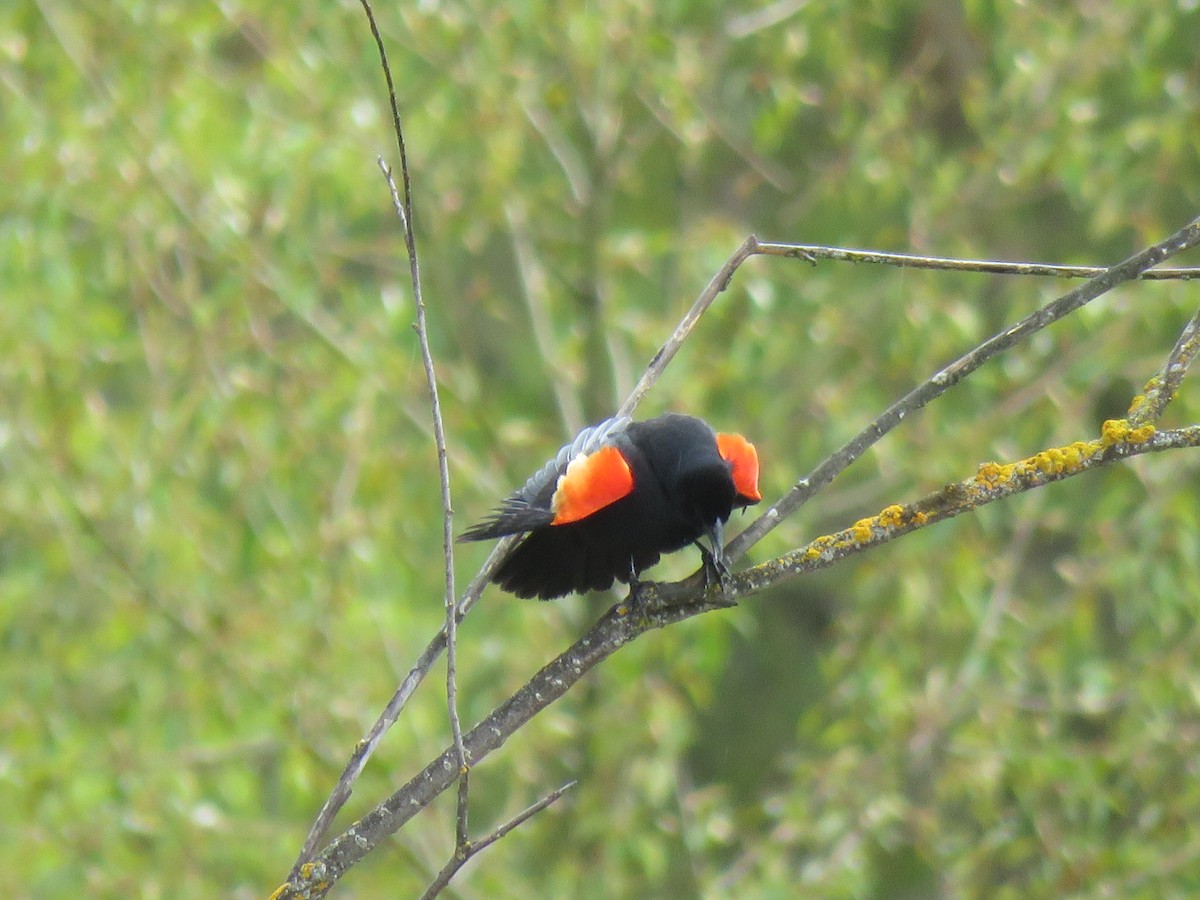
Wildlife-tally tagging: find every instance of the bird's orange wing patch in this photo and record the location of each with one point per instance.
(743, 458)
(591, 482)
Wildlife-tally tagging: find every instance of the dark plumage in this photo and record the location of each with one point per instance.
(615, 499)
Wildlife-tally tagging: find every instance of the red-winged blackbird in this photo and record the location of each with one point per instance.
(615, 499)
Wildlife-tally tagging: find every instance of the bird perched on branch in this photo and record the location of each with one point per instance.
(615, 499)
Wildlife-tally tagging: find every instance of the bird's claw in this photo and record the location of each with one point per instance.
(635, 600)
(716, 571)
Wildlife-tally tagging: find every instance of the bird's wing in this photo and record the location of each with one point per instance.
(561, 492)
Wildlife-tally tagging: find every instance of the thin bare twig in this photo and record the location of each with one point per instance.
(813, 252)
(404, 210)
(463, 853)
(667, 352)
(451, 595)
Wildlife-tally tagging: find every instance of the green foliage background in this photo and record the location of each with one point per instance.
(219, 529)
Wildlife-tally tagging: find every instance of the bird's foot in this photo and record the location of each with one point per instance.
(635, 603)
(716, 573)
(635, 589)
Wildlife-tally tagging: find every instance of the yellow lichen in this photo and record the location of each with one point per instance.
(1119, 431)
(1141, 435)
(991, 474)
(816, 548)
(862, 530)
(1114, 431)
(1056, 460)
(892, 516)
(1051, 461)
(1079, 451)
(824, 544)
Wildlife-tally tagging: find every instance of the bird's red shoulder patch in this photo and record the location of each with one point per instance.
(591, 482)
(743, 460)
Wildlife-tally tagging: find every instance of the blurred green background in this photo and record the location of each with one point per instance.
(219, 526)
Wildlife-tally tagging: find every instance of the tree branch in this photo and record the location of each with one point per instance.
(1160, 390)
(665, 604)
(940, 382)
(1131, 268)
(463, 853)
(684, 600)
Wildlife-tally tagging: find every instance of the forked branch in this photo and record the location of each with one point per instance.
(666, 604)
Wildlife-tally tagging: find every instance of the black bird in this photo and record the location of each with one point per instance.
(615, 499)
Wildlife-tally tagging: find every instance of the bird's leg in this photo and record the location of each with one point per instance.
(635, 585)
(716, 568)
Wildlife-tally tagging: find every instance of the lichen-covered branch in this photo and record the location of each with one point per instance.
(943, 380)
(661, 605)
